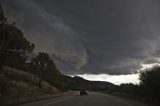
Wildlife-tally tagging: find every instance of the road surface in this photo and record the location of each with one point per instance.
(92, 99)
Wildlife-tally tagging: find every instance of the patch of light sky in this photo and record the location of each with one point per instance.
(117, 79)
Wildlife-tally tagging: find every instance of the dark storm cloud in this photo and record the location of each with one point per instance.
(91, 36)
(151, 60)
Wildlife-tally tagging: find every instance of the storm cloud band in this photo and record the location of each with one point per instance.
(91, 36)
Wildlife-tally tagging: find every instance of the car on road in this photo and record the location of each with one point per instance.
(83, 92)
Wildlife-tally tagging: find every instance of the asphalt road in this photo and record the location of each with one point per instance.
(92, 99)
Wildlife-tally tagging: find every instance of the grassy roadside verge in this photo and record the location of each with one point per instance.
(45, 97)
(16, 88)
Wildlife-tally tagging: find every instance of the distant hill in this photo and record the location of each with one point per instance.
(76, 83)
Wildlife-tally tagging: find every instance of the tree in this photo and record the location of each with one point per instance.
(12, 39)
(13, 45)
(45, 69)
(2, 17)
(150, 82)
(128, 88)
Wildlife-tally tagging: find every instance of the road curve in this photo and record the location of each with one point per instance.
(92, 99)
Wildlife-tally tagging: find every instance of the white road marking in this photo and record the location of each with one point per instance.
(58, 101)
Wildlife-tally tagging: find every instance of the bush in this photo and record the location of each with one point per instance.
(150, 82)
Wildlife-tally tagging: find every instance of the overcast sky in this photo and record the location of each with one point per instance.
(91, 36)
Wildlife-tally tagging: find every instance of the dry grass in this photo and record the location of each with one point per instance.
(19, 87)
